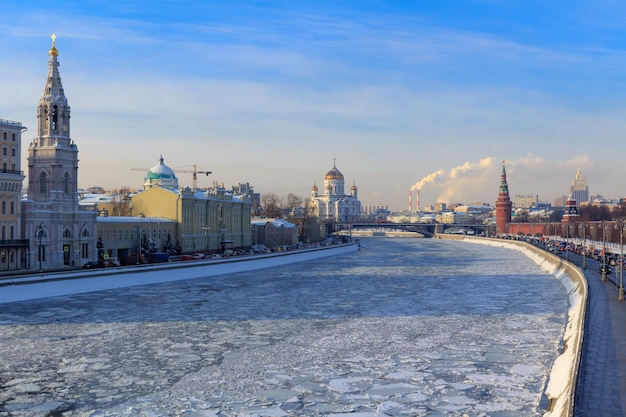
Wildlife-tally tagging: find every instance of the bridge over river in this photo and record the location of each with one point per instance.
(426, 229)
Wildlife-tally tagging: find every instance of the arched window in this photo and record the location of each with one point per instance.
(55, 116)
(67, 233)
(66, 183)
(12, 207)
(85, 232)
(4, 207)
(43, 183)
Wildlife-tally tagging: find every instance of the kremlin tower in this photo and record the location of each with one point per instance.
(571, 210)
(503, 205)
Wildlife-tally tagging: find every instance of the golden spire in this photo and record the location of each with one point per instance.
(53, 50)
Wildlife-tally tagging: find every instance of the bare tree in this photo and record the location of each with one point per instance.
(271, 205)
(119, 204)
(294, 203)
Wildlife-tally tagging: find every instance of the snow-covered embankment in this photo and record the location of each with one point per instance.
(81, 281)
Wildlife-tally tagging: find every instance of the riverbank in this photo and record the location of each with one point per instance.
(561, 385)
(383, 233)
(44, 285)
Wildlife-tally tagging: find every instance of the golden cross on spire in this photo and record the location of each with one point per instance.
(54, 38)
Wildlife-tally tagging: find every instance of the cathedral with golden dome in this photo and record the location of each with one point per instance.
(333, 203)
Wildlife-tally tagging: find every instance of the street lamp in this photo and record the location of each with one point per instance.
(39, 232)
(138, 228)
(206, 237)
(567, 243)
(621, 260)
(603, 222)
(584, 245)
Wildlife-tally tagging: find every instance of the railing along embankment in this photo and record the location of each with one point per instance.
(561, 386)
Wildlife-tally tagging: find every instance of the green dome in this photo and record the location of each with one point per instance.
(161, 174)
(160, 171)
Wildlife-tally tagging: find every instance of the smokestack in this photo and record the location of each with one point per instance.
(410, 202)
(417, 200)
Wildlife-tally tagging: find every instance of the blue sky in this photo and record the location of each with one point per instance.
(403, 94)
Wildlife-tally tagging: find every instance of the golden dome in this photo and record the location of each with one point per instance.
(334, 174)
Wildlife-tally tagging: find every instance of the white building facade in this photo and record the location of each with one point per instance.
(60, 232)
(334, 203)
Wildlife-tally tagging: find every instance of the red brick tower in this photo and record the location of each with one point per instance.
(503, 205)
(571, 210)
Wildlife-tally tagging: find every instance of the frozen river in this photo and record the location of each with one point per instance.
(404, 327)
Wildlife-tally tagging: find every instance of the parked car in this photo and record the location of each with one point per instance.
(604, 268)
(113, 261)
(91, 265)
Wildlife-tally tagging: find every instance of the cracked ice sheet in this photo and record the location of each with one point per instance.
(295, 341)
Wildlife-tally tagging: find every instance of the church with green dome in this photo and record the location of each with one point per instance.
(210, 220)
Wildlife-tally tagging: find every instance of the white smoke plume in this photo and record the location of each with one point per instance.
(428, 179)
(479, 181)
(458, 178)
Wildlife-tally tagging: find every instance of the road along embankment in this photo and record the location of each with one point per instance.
(55, 284)
(561, 386)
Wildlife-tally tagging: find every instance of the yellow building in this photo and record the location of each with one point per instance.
(207, 220)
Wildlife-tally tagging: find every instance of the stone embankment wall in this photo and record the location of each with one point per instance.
(561, 385)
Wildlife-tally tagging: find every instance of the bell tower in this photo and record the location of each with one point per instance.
(53, 156)
(60, 232)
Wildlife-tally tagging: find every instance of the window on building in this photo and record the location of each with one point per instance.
(13, 152)
(67, 233)
(12, 207)
(13, 137)
(12, 235)
(66, 183)
(43, 183)
(4, 135)
(4, 207)
(5, 151)
(55, 117)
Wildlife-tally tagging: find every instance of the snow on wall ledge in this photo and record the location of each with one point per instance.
(564, 373)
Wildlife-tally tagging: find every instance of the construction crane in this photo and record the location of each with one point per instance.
(195, 172)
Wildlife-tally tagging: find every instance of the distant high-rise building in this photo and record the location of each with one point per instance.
(526, 201)
(579, 189)
(503, 205)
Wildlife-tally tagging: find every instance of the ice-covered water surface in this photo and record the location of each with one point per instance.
(413, 327)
